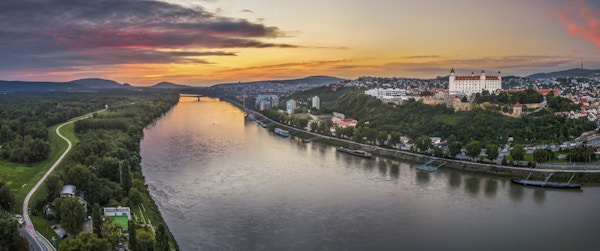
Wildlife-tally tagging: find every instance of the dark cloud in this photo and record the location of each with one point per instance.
(38, 33)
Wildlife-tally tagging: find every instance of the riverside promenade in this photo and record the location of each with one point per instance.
(588, 172)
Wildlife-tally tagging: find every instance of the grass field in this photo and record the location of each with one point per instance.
(21, 178)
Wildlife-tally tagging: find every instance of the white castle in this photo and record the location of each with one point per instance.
(473, 84)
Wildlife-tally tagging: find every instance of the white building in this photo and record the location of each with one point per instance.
(117, 211)
(316, 102)
(290, 106)
(473, 84)
(389, 95)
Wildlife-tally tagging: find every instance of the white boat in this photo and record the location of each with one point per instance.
(282, 133)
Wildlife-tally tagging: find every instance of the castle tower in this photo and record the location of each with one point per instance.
(482, 76)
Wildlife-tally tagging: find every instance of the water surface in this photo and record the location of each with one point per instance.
(225, 184)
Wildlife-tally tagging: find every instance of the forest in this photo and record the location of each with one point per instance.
(104, 164)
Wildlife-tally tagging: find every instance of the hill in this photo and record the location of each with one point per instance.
(97, 83)
(576, 72)
(168, 85)
(23, 86)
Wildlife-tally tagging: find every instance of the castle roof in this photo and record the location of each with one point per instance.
(476, 78)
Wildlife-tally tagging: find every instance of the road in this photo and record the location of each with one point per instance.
(37, 241)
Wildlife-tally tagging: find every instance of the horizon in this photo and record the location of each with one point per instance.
(204, 43)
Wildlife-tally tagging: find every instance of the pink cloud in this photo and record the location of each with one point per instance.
(581, 20)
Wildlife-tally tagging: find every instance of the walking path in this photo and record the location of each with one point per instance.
(41, 243)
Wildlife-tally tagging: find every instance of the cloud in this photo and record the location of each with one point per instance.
(247, 11)
(63, 33)
(581, 19)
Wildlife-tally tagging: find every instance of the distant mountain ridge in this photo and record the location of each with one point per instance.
(311, 81)
(576, 72)
(96, 83)
(169, 85)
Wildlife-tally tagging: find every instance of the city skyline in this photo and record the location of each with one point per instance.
(206, 42)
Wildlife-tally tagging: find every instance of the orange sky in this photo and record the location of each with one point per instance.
(204, 42)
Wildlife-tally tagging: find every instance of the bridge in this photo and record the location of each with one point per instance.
(190, 95)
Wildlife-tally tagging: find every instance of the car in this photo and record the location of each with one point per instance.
(63, 236)
(54, 227)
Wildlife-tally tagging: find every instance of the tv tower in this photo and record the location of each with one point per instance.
(582, 63)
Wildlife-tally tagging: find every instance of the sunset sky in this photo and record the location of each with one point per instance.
(205, 42)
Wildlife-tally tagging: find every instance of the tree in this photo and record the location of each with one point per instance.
(423, 143)
(145, 241)
(517, 153)
(126, 176)
(473, 149)
(54, 184)
(72, 215)
(492, 151)
(97, 219)
(7, 198)
(9, 235)
(454, 148)
(132, 236)
(541, 155)
(80, 176)
(85, 242)
(162, 238)
(135, 197)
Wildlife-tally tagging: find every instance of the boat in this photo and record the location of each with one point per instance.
(546, 183)
(282, 133)
(359, 153)
(428, 167)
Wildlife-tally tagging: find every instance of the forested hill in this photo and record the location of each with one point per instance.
(415, 119)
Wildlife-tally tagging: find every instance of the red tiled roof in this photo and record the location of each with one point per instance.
(467, 78)
(476, 78)
(518, 104)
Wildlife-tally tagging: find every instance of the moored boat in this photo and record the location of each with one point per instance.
(359, 153)
(282, 133)
(546, 183)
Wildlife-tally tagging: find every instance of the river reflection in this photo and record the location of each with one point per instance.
(223, 184)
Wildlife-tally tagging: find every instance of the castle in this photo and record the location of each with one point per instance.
(473, 84)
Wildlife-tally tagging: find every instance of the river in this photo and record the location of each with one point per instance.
(225, 184)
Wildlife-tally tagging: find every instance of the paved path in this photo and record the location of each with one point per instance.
(39, 243)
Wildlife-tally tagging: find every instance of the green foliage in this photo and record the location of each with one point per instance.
(492, 151)
(162, 239)
(9, 235)
(560, 104)
(415, 119)
(145, 241)
(542, 155)
(582, 153)
(517, 153)
(473, 149)
(135, 197)
(72, 215)
(454, 148)
(132, 236)
(423, 143)
(7, 198)
(54, 184)
(97, 219)
(85, 242)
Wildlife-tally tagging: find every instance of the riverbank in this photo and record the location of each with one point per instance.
(561, 175)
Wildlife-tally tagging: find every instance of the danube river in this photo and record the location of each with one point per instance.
(225, 184)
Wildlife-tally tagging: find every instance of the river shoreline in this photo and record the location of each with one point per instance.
(589, 177)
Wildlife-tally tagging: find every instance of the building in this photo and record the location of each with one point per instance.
(290, 106)
(473, 84)
(316, 102)
(117, 211)
(389, 95)
(68, 191)
(518, 110)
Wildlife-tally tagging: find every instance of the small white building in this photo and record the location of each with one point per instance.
(117, 211)
(68, 191)
(290, 106)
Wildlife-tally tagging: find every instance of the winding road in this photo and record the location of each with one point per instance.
(39, 241)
